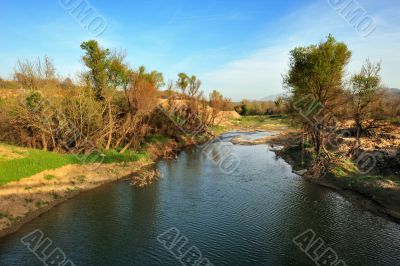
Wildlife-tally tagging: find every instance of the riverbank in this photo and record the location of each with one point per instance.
(23, 200)
(381, 197)
(379, 194)
(35, 181)
(194, 196)
(375, 191)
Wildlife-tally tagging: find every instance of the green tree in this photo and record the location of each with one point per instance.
(154, 77)
(315, 80)
(183, 82)
(118, 71)
(96, 59)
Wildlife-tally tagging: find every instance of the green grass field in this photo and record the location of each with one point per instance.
(29, 162)
(263, 121)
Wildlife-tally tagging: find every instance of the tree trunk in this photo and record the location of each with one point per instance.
(44, 142)
(126, 146)
(317, 142)
(358, 134)
(110, 121)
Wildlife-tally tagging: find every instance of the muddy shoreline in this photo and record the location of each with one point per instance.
(360, 200)
(369, 196)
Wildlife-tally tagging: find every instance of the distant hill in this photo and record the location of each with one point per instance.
(391, 91)
(387, 91)
(272, 97)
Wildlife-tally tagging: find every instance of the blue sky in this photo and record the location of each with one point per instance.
(237, 47)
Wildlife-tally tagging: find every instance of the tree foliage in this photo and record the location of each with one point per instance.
(97, 60)
(112, 106)
(315, 80)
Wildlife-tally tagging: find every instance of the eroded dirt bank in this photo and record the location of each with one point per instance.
(380, 196)
(24, 200)
(21, 201)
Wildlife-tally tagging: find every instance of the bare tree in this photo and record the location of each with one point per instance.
(363, 92)
(216, 103)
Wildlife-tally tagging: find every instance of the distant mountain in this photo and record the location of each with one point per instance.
(387, 91)
(272, 97)
(391, 91)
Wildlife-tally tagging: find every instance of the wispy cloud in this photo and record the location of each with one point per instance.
(253, 77)
(241, 49)
(259, 74)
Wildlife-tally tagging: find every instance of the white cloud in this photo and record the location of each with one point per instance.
(255, 76)
(259, 74)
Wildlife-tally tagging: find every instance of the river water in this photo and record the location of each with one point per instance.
(248, 217)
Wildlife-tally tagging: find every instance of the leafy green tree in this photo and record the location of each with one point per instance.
(315, 80)
(96, 59)
(118, 71)
(154, 77)
(183, 82)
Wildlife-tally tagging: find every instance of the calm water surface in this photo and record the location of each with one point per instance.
(246, 218)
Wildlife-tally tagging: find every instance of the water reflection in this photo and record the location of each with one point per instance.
(248, 217)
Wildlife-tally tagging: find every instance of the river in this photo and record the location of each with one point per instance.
(248, 217)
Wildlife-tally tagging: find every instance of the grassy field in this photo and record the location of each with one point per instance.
(217, 130)
(17, 163)
(263, 122)
(395, 120)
